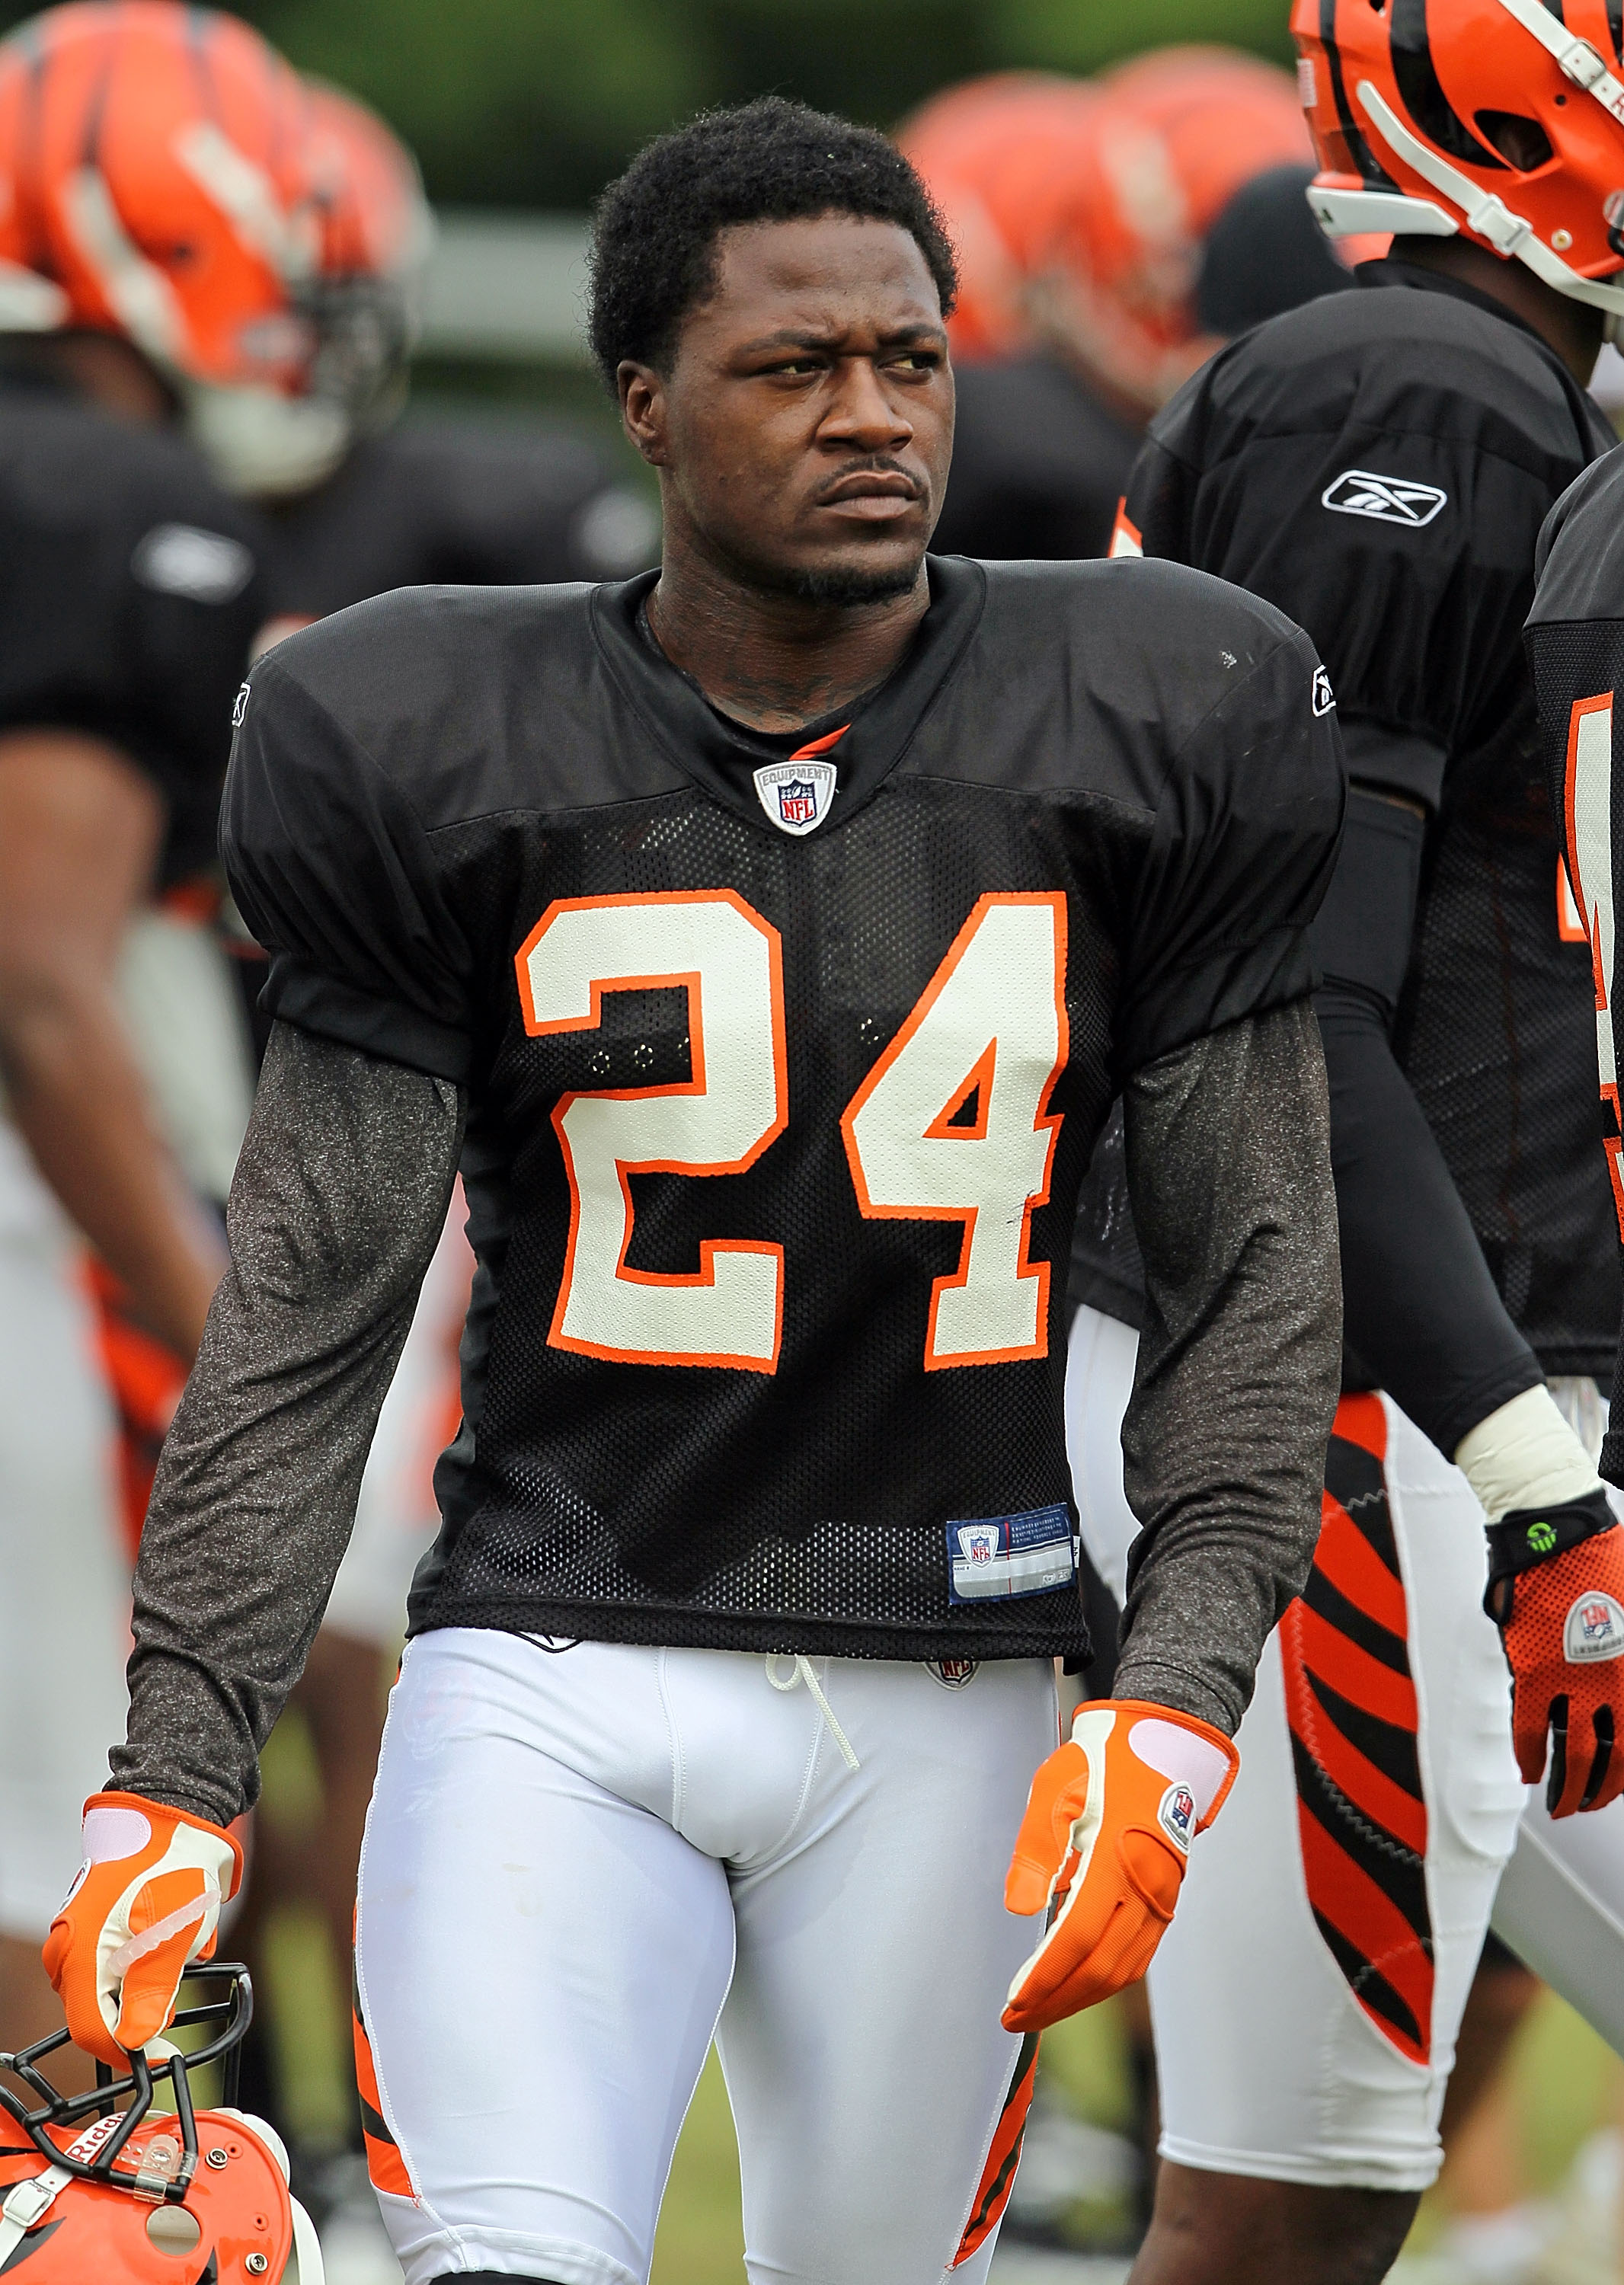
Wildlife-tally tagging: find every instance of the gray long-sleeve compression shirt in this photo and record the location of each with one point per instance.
(1240, 1358)
(338, 1199)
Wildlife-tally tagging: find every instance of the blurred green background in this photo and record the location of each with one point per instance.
(537, 102)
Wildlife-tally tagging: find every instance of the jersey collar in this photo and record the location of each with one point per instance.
(1394, 270)
(722, 760)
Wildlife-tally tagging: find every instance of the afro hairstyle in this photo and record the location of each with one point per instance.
(654, 255)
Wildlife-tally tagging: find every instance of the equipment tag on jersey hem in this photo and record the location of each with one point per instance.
(796, 795)
(1029, 1554)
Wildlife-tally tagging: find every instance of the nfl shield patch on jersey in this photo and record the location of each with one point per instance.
(796, 795)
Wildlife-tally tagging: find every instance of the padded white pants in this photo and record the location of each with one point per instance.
(580, 1862)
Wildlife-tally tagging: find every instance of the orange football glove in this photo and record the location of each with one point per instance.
(1103, 1844)
(1556, 1592)
(145, 1900)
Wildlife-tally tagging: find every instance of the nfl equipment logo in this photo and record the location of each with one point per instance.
(954, 1672)
(796, 795)
(979, 1541)
(798, 802)
(1595, 1630)
(1177, 1814)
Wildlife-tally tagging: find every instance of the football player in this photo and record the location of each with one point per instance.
(765, 937)
(1384, 460)
(433, 498)
(1563, 1897)
(129, 597)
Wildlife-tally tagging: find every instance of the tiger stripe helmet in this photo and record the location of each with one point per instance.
(1170, 137)
(986, 152)
(1499, 120)
(157, 182)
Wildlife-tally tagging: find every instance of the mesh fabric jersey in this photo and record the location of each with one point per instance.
(496, 836)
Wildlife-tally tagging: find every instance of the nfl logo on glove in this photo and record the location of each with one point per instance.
(1177, 1814)
(1595, 1630)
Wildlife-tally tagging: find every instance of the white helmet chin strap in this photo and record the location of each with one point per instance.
(1578, 58)
(1511, 235)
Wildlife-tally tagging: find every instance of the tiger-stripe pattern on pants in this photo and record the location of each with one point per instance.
(1353, 1714)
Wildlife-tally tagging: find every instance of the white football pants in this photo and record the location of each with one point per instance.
(582, 1862)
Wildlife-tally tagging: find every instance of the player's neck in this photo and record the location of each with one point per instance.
(1572, 329)
(774, 661)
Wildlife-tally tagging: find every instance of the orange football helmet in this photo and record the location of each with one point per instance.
(377, 234)
(156, 181)
(102, 2187)
(1169, 138)
(1499, 118)
(986, 151)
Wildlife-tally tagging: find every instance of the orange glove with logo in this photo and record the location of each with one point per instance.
(1103, 1845)
(1556, 1592)
(145, 1900)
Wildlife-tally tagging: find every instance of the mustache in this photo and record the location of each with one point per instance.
(872, 463)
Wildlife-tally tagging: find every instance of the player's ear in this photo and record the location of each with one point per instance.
(643, 409)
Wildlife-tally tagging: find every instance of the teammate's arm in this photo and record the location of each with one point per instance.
(1423, 1318)
(1426, 1323)
(79, 832)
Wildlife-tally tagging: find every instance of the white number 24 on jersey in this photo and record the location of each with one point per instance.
(951, 1124)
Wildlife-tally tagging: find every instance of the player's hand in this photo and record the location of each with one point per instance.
(145, 1901)
(1556, 1592)
(1103, 1844)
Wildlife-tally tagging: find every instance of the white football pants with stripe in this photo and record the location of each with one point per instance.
(582, 1862)
(1307, 1998)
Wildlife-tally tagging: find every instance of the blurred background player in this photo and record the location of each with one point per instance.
(158, 225)
(430, 498)
(1355, 457)
(1115, 233)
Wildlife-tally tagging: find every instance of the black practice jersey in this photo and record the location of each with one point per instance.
(782, 1070)
(443, 502)
(1379, 463)
(128, 600)
(1038, 464)
(1575, 644)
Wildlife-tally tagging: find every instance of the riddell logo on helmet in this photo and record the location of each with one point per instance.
(1384, 499)
(99, 2131)
(1595, 1630)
